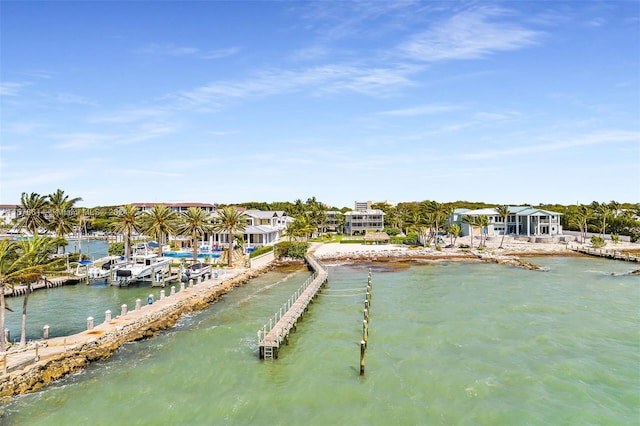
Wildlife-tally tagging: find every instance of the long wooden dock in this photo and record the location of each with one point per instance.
(276, 332)
(609, 254)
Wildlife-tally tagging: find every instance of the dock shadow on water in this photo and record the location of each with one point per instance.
(446, 346)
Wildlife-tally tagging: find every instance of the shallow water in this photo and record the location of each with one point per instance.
(449, 343)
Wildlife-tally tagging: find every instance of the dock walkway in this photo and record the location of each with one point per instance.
(276, 332)
(609, 254)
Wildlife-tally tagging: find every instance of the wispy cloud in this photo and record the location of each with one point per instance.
(9, 88)
(470, 34)
(422, 110)
(129, 115)
(95, 140)
(169, 49)
(596, 138)
(317, 80)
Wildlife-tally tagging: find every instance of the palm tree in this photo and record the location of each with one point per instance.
(471, 221)
(230, 220)
(483, 222)
(34, 259)
(159, 222)
(62, 218)
(8, 255)
(580, 219)
(503, 212)
(33, 211)
(438, 214)
(604, 212)
(128, 222)
(454, 232)
(82, 220)
(194, 222)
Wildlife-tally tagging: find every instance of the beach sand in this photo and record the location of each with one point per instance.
(511, 247)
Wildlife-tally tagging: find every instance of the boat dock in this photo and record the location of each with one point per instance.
(21, 290)
(276, 332)
(609, 254)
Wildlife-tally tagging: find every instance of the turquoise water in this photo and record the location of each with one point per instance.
(449, 343)
(91, 249)
(190, 255)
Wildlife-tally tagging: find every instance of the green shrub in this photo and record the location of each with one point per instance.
(597, 241)
(392, 232)
(293, 249)
(615, 238)
(261, 250)
(396, 240)
(116, 249)
(411, 239)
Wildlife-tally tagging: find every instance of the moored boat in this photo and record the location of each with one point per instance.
(195, 272)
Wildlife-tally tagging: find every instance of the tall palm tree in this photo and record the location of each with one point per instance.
(580, 219)
(604, 212)
(230, 220)
(81, 222)
(128, 222)
(34, 259)
(503, 212)
(33, 212)
(438, 214)
(194, 222)
(159, 222)
(483, 222)
(8, 255)
(63, 217)
(471, 221)
(454, 232)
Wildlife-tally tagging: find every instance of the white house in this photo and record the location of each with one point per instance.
(363, 221)
(176, 207)
(8, 212)
(522, 220)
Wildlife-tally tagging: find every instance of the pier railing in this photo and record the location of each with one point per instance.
(277, 330)
(609, 254)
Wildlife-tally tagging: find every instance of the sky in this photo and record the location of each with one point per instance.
(511, 102)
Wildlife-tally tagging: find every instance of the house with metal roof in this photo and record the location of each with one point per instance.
(522, 220)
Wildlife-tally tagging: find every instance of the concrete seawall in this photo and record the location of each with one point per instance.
(45, 361)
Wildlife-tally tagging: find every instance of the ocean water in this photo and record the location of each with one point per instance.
(449, 343)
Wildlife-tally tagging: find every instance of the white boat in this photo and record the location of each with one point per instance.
(145, 266)
(195, 271)
(103, 268)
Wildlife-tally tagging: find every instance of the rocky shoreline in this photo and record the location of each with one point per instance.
(62, 356)
(59, 357)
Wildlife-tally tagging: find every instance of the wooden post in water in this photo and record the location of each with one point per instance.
(45, 332)
(362, 347)
(365, 332)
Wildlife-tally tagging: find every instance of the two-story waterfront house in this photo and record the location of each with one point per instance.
(363, 221)
(522, 220)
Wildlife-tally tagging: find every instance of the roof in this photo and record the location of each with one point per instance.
(376, 236)
(365, 212)
(8, 206)
(516, 210)
(259, 229)
(174, 204)
(261, 214)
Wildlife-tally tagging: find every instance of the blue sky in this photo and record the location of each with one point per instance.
(223, 102)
